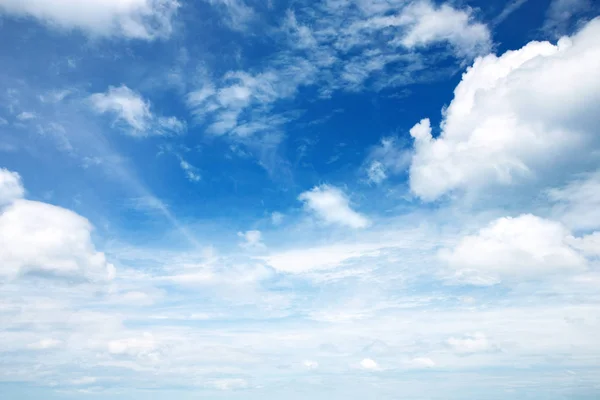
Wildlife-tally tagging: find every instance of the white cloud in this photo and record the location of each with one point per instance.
(561, 12)
(133, 346)
(308, 364)
(470, 344)
(26, 116)
(131, 110)
(332, 206)
(252, 240)
(304, 260)
(191, 172)
(238, 13)
(510, 114)
(376, 172)
(369, 364)
(588, 245)
(45, 344)
(41, 238)
(276, 218)
(387, 158)
(577, 204)
(11, 187)
(523, 247)
(428, 23)
(86, 380)
(422, 362)
(230, 384)
(238, 104)
(136, 19)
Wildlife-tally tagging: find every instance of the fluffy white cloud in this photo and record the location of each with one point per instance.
(428, 23)
(131, 110)
(525, 246)
(469, 344)
(510, 114)
(11, 187)
(332, 206)
(40, 238)
(139, 19)
(589, 244)
(308, 364)
(369, 364)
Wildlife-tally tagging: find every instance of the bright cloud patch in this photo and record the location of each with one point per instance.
(133, 113)
(444, 23)
(526, 246)
(136, 19)
(510, 113)
(10, 186)
(422, 362)
(369, 364)
(332, 206)
(39, 238)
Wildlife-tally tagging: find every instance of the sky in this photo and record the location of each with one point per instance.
(336, 199)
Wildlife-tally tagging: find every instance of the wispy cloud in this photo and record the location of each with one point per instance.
(133, 113)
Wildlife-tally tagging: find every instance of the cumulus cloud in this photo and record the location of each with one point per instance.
(39, 238)
(11, 187)
(133, 113)
(428, 23)
(369, 364)
(510, 114)
(588, 244)
(523, 247)
(332, 206)
(135, 19)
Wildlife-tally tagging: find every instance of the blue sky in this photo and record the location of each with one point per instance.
(350, 199)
